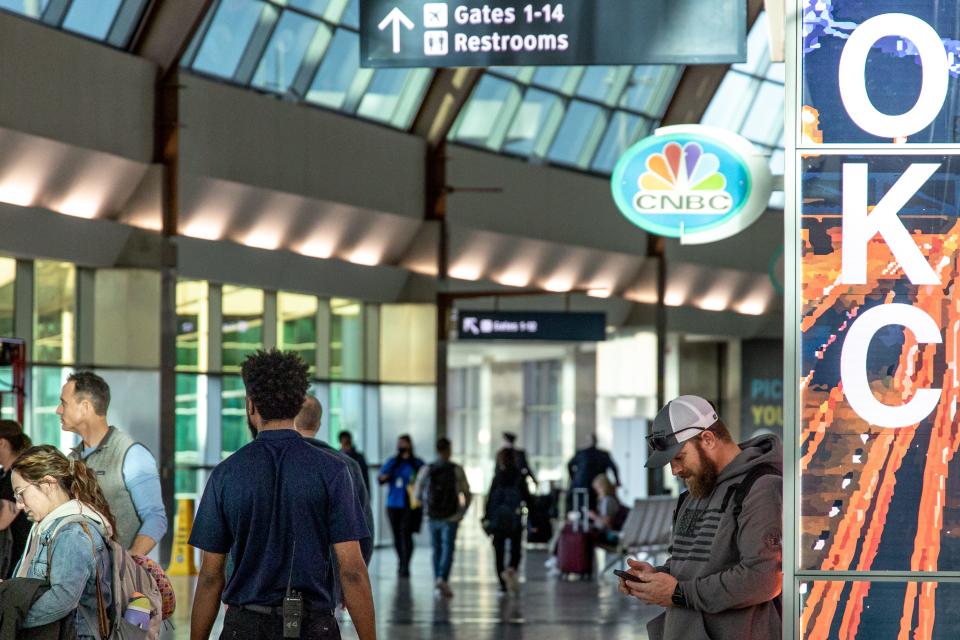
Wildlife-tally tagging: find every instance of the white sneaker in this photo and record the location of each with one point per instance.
(551, 562)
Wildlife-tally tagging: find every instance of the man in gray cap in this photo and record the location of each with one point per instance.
(723, 578)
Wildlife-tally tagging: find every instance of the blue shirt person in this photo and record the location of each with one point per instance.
(399, 474)
(277, 506)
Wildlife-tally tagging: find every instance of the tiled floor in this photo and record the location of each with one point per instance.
(545, 608)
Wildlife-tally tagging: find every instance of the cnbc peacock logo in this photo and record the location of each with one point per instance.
(695, 183)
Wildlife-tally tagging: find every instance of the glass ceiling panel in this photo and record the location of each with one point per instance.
(112, 22)
(750, 101)
(307, 50)
(579, 117)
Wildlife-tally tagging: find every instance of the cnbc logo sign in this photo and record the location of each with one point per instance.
(691, 182)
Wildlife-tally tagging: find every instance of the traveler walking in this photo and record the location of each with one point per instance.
(442, 486)
(586, 465)
(71, 556)
(125, 469)
(404, 512)
(509, 442)
(723, 580)
(307, 424)
(14, 526)
(277, 505)
(346, 446)
(503, 517)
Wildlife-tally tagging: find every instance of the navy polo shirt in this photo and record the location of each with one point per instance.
(273, 492)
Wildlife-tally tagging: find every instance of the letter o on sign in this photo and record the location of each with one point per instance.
(853, 86)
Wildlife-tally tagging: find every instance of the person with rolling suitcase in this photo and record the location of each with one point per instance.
(576, 544)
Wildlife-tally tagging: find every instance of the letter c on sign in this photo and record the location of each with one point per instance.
(853, 365)
(852, 75)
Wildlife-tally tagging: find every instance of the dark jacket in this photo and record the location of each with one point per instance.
(522, 463)
(366, 545)
(362, 462)
(587, 464)
(508, 493)
(16, 597)
(729, 569)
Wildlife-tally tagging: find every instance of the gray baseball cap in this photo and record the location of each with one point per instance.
(680, 420)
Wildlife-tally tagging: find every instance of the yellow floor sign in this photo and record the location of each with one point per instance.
(182, 562)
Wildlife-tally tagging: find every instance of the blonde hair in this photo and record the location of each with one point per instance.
(603, 485)
(77, 479)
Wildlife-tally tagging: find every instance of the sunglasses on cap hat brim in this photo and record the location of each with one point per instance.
(663, 442)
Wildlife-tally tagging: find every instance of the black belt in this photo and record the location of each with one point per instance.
(278, 611)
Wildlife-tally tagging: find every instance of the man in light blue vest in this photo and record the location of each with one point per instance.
(126, 470)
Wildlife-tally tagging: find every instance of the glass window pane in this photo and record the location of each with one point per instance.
(408, 339)
(351, 16)
(91, 17)
(394, 95)
(758, 55)
(410, 410)
(552, 77)
(624, 129)
(297, 325)
(191, 422)
(578, 134)
(29, 8)
(730, 103)
(242, 324)
(346, 339)
(340, 64)
(484, 109)
(234, 430)
(537, 111)
(193, 325)
(43, 423)
(316, 7)
(649, 89)
(54, 316)
(598, 83)
(347, 413)
(8, 276)
(126, 317)
(764, 122)
(228, 36)
(283, 55)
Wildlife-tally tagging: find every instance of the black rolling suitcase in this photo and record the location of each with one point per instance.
(539, 525)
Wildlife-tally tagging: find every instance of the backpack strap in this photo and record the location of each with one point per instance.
(676, 510)
(738, 492)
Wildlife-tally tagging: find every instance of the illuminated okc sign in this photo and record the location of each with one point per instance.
(692, 182)
(875, 214)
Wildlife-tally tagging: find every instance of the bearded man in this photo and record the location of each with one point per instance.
(723, 578)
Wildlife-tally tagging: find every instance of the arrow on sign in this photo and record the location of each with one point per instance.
(470, 324)
(395, 18)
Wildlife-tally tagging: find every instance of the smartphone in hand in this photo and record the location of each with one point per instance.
(626, 576)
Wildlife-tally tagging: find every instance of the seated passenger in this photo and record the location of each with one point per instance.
(70, 556)
(610, 515)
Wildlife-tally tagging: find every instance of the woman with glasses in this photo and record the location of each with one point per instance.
(66, 545)
(14, 526)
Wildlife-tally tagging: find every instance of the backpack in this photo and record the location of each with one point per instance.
(134, 592)
(443, 495)
(6, 551)
(167, 595)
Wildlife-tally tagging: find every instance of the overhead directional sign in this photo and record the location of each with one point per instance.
(538, 325)
(472, 33)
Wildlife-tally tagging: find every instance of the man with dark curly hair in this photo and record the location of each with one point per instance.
(277, 506)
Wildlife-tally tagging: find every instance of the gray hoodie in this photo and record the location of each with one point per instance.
(730, 584)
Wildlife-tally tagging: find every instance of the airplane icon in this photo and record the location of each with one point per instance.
(435, 15)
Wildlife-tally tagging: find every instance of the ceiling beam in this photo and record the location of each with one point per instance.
(166, 30)
(699, 83)
(445, 97)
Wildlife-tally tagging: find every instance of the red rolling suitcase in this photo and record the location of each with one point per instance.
(575, 546)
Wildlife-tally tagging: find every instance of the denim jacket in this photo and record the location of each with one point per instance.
(72, 578)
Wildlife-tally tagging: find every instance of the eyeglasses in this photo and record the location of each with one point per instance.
(18, 494)
(662, 442)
